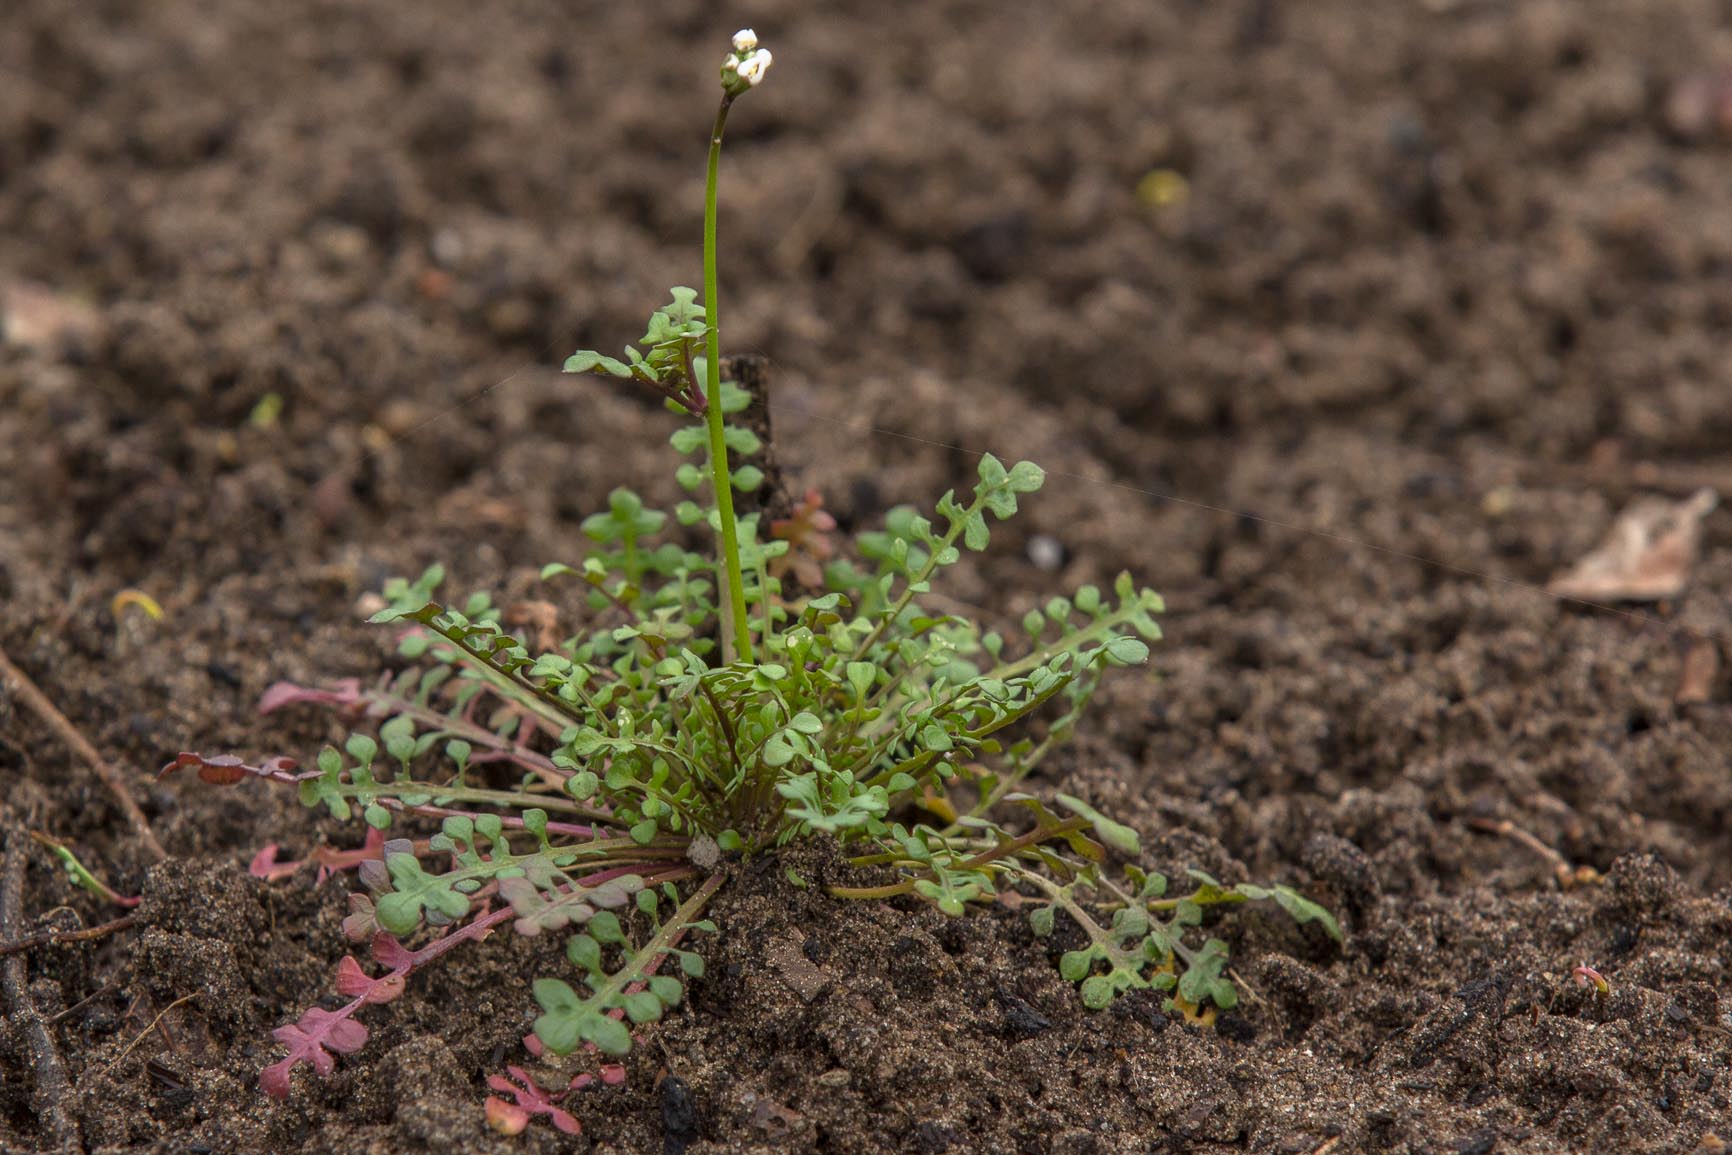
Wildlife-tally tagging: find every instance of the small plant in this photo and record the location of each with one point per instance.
(604, 789)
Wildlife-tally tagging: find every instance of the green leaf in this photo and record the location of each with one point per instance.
(1026, 477)
(643, 1007)
(1097, 992)
(684, 309)
(610, 1036)
(1040, 921)
(690, 439)
(604, 927)
(1115, 834)
(741, 440)
(584, 952)
(992, 473)
(1130, 923)
(861, 676)
(559, 1025)
(1304, 910)
(1074, 965)
(1127, 651)
(588, 361)
(975, 534)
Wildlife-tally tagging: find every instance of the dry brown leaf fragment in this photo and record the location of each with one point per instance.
(804, 977)
(1647, 556)
(34, 316)
(1696, 674)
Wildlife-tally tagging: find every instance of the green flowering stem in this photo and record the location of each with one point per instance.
(720, 477)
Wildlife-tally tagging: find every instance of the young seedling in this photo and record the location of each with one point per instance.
(603, 789)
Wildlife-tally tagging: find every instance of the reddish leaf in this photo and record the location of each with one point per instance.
(360, 925)
(330, 861)
(226, 769)
(311, 1040)
(505, 1118)
(265, 865)
(357, 983)
(531, 1101)
(390, 953)
(344, 693)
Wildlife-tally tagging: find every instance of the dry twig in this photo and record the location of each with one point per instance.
(17, 683)
(51, 937)
(1568, 876)
(51, 1085)
(154, 1023)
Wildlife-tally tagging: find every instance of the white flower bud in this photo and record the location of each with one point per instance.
(745, 40)
(753, 67)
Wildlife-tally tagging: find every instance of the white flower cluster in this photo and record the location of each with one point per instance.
(745, 66)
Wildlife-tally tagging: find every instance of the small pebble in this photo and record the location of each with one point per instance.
(1046, 552)
(1019, 1017)
(679, 1116)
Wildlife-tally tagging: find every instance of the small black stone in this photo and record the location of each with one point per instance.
(223, 675)
(679, 1116)
(1019, 1017)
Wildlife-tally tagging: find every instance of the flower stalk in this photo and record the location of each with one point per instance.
(736, 629)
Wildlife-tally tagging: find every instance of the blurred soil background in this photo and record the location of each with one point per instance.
(1432, 289)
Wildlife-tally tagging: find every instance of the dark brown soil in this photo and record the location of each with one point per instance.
(1446, 279)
